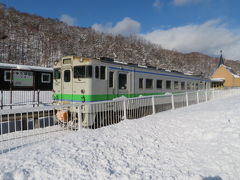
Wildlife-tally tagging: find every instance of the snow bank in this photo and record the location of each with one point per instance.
(198, 142)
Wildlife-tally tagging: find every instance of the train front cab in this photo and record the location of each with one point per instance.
(72, 84)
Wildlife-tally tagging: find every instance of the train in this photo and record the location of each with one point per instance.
(23, 77)
(82, 80)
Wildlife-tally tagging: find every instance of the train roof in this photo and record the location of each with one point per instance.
(121, 63)
(24, 67)
(149, 68)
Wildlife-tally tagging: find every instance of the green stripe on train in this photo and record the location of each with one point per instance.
(97, 97)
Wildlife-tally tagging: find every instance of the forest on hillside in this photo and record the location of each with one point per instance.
(34, 40)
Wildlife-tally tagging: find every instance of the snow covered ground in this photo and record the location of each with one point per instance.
(200, 142)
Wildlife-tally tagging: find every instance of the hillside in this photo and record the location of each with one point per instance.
(33, 40)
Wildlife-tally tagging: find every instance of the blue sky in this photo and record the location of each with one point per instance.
(184, 25)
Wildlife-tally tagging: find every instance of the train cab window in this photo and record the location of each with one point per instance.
(159, 84)
(122, 81)
(88, 71)
(149, 83)
(102, 72)
(67, 76)
(7, 76)
(182, 85)
(46, 78)
(140, 83)
(97, 72)
(176, 85)
(168, 84)
(82, 71)
(57, 73)
(111, 79)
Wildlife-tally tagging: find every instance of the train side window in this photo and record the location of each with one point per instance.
(97, 72)
(183, 85)
(122, 81)
(176, 85)
(149, 83)
(102, 72)
(192, 86)
(197, 86)
(46, 78)
(168, 84)
(188, 85)
(67, 76)
(57, 73)
(159, 84)
(111, 79)
(7, 75)
(201, 85)
(140, 83)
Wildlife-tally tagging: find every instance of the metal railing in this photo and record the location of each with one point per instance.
(20, 127)
(18, 99)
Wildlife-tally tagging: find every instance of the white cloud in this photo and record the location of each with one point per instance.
(157, 4)
(67, 19)
(184, 2)
(209, 38)
(126, 27)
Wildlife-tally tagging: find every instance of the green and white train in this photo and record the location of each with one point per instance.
(80, 79)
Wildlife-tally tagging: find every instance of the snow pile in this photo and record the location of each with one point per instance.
(198, 142)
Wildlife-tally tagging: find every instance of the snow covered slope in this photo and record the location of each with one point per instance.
(198, 142)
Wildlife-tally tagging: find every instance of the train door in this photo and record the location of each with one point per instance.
(67, 90)
(123, 84)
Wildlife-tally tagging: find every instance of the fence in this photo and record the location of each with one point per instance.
(20, 127)
(16, 99)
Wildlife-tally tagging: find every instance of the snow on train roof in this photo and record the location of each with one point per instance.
(151, 68)
(24, 67)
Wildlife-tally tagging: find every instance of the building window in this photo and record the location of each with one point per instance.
(159, 84)
(111, 79)
(82, 71)
(122, 81)
(149, 83)
(7, 75)
(183, 85)
(103, 72)
(97, 72)
(140, 83)
(168, 84)
(46, 78)
(67, 76)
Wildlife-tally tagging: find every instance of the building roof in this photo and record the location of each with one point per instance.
(221, 61)
(234, 74)
(217, 79)
(24, 67)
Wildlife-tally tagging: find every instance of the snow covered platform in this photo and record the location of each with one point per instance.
(199, 142)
